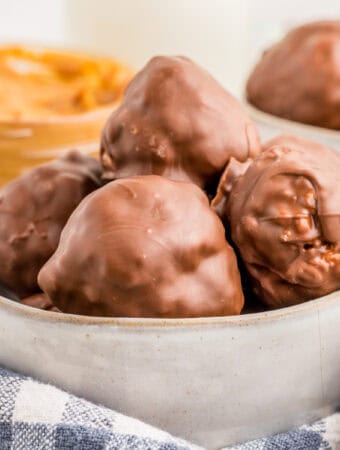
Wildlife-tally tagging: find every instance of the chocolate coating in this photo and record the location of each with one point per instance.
(144, 247)
(176, 121)
(299, 77)
(285, 220)
(40, 301)
(234, 170)
(34, 209)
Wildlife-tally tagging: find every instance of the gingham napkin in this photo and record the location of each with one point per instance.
(37, 416)
(324, 434)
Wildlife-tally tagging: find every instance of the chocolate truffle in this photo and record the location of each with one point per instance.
(285, 220)
(33, 210)
(299, 77)
(144, 246)
(40, 301)
(176, 121)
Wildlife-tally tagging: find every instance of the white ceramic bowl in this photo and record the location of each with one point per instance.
(214, 381)
(270, 126)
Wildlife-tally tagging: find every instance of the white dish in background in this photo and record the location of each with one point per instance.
(215, 381)
(270, 126)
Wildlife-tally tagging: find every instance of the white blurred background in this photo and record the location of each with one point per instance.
(225, 36)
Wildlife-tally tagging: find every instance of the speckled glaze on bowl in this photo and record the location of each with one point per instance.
(270, 126)
(214, 381)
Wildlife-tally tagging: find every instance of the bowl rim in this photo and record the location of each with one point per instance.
(129, 322)
(286, 124)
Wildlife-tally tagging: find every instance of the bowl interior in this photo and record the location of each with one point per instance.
(270, 126)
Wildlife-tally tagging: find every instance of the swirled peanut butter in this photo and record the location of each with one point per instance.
(38, 84)
(51, 101)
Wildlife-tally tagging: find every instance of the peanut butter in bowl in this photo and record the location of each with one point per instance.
(51, 100)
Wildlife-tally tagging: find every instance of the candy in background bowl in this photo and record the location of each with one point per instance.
(215, 381)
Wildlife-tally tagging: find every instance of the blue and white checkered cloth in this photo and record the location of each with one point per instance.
(37, 416)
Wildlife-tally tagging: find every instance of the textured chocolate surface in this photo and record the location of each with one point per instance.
(40, 301)
(144, 247)
(234, 170)
(299, 77)
(33, 210)
(179, 122)
(285, 220)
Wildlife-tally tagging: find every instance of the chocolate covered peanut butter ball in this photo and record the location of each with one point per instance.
(176, 121)
(284, 216)
(33, 210)
(144, 246)
(299, 77)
